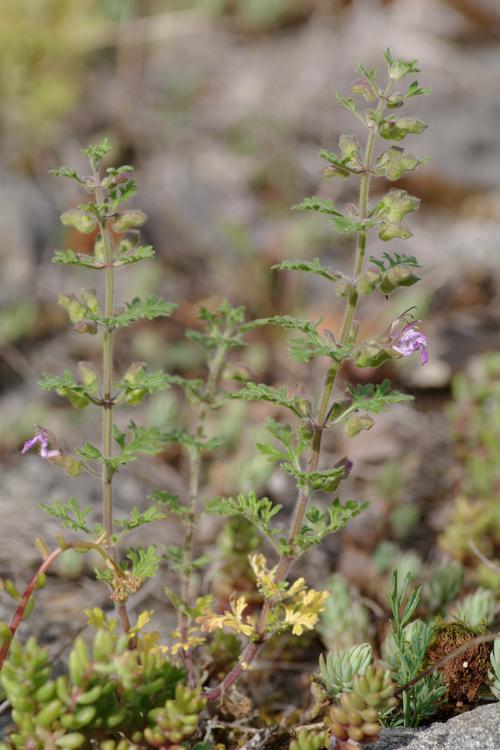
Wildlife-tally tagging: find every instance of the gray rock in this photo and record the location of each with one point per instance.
(473, 730)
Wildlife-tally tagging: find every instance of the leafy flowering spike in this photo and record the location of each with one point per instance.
(412, 339)
(42, 437)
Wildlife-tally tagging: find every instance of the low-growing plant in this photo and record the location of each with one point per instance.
(133, 691)
(472, 533)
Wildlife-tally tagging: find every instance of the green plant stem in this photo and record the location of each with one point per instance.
(287, 560)
(107, 400)
(195, 463)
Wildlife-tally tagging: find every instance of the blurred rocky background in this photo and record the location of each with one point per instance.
(222, 107)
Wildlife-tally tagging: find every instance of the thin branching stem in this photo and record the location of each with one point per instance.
(43, 568)
(286, 560)
(107, 400)
(195, 466)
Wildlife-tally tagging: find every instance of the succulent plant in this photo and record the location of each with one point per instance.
(109, 690)
(339, 668)
(356, 717)
(176, 720)
(309, 739)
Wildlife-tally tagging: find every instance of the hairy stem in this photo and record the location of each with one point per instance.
(195, 465)
(107, 401)
(285, 562)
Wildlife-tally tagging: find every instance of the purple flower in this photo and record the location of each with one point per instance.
(411, 339)
(42, 436)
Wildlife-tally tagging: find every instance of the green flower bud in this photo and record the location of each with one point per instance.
(89, 298)
(389, 231)
(136, 396)
(83, 221)
(363, 88)
(89, 376)
(349, 147)
(344, 287)
(371, 354)
(354, 425)
(396, 204)
(129, 220)
(367, 281)
(73, 307)
(85, 326)
(134, 373)
(393, 163)
(395, 129)
(402, 275)
(395, 101)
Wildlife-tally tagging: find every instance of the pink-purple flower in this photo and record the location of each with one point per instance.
(411, 339)
(42, 437)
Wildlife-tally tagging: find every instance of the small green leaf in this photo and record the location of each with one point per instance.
(90, 452)
(66, 386)
(319, 205)
(70, 258)
(97, 151)
(326, 480)
(393, 260)
(319, 523)
(170, 500)
(127, 254)
(308, 266)
(138, 518)
(415, 90)
(66, 172)
(70, 514)
(259, 511)
(145, 561)
(278, 396)
(148, 309)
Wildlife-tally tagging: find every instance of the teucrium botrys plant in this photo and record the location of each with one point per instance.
(297, 449)
(116, 245)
